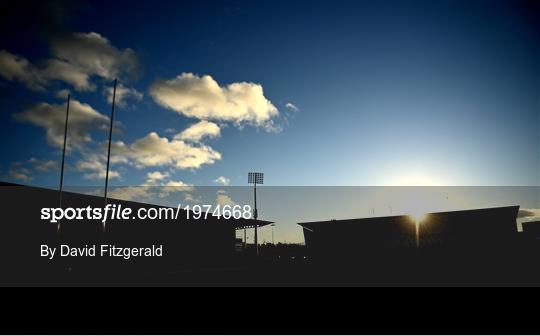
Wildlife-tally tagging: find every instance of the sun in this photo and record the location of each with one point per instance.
(418, 219)
(418, 216)
(416, 180)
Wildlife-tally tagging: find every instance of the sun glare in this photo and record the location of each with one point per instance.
(416, 180)
(418, 217)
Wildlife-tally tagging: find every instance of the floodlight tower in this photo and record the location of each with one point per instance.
(255, 178)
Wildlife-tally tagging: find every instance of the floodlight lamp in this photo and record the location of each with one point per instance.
(256, 178)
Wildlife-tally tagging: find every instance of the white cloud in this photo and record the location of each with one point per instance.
(198, 131)
(94, 167)
(64, 71)
(152, 189)
(42, 165)
(94, 55)
(52, 117)
(179, 185)
(131, 193)
(62, 94)
(172, 187)
(156, 181)
(191, 199)
(122, 95)
(149, 151)
(17, 68)
(77, 57)
(23, 171)
(223, 199)
(20, 174)
(155, 151)
(153, 177)
(223, 180)
(151, 193)
(203, 98)
(292, 107)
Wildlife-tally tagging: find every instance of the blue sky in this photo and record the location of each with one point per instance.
(386, 92)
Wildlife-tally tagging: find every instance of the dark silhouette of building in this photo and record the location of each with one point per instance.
(472, 246)
(489, 227)
(532, 228)
(187, 244)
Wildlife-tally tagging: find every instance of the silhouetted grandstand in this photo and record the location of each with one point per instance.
(470, 246)
(532, 228)
(489, 227)
(188, 244)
